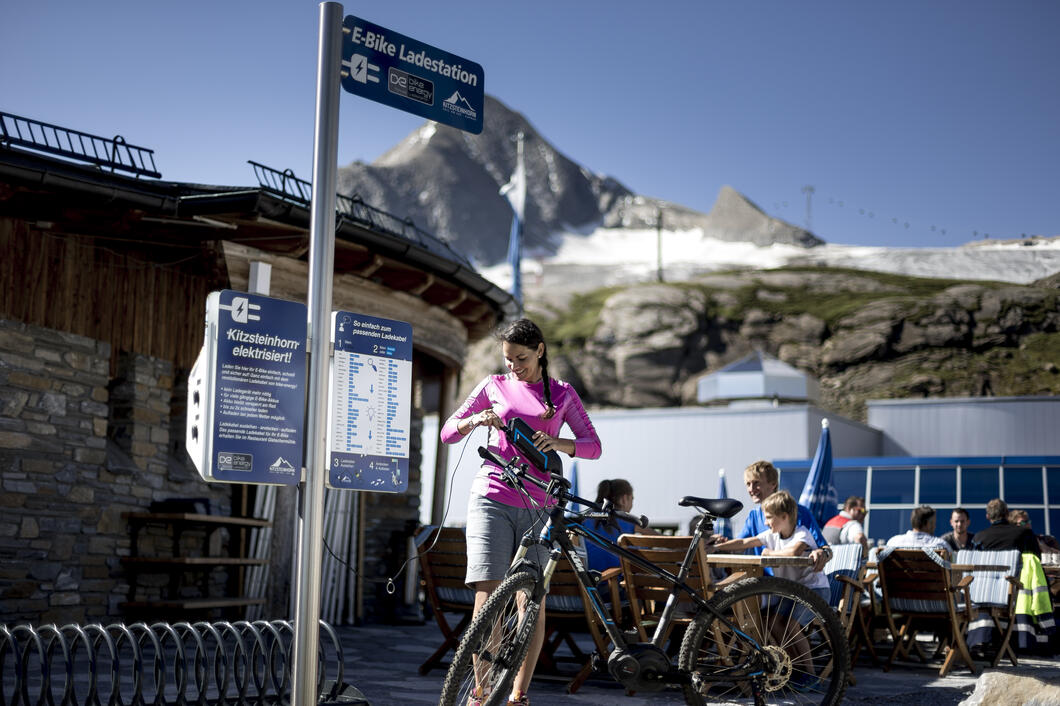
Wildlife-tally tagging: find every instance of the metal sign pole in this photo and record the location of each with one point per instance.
(321, 259)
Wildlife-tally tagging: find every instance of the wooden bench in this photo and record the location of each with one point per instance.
(178, 563)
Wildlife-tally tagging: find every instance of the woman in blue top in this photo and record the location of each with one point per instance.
(620, 493)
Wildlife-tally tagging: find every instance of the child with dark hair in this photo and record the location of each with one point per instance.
(620, 494)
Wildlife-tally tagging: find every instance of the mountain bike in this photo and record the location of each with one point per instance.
(760, 640)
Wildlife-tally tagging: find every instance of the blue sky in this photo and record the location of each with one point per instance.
(940, 114)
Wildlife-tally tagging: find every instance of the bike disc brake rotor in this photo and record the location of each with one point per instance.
(778, 677)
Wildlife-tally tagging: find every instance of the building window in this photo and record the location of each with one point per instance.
(938, 486)
(893, 485)
(893, 490)
(979, 485)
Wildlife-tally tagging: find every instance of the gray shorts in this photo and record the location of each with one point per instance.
(493, 534)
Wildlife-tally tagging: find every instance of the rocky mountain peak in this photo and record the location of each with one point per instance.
(448, 183)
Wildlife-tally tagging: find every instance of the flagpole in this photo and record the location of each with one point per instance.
(515, 192)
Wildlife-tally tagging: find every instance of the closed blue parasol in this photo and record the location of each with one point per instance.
(819, 493)
(574, 507)
(722, 526)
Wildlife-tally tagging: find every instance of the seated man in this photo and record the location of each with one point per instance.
(960, 537)
(1001, 534)
(762, 479)
(846, 527)
(922, 534)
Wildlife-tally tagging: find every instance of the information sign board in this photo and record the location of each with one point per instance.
(369, 410)
(390, 68)
(246, 416)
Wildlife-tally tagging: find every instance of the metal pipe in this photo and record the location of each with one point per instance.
(321, 259)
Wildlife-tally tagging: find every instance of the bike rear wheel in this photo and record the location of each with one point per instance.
(807, 657)
(495, 645)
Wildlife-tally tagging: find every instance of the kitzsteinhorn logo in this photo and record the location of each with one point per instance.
(456, 103)
(282, 465)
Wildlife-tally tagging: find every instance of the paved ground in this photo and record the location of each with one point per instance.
(382, 662)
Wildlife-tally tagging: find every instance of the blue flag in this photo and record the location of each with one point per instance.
(722, 526)
(515, 192)
(819, 494)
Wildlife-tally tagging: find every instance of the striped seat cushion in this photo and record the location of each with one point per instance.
(990, 588)
(845, 561)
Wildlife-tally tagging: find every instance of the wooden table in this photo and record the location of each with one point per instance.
(1052, 575)
(753, 565)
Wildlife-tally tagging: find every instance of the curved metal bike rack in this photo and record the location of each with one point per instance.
(222, 663)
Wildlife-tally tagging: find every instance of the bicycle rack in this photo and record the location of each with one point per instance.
(217, 664)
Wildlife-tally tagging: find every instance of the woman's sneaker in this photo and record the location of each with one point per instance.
(523, 700)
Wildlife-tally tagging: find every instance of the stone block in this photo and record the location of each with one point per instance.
(38, 466)
(15, 440)
(91, 456)
(93, 408)
(19, 378)
(81, 494)
(26, 487)
(15, 340)
(40, 429)
(12, 402)
(29, 529)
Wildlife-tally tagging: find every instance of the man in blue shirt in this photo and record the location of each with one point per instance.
(762, 479)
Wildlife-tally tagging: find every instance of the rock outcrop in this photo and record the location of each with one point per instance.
(862, 335)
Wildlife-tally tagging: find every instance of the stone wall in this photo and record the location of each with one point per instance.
(77, 449)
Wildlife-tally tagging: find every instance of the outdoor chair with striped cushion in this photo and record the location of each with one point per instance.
(994, 593)
(918, 596)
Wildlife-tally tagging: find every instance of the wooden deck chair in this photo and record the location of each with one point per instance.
(647, 595)
(994, 594)
(918, 595)
(443, 566)
(567, 614)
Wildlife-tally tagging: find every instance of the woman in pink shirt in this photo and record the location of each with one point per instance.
(498, 516)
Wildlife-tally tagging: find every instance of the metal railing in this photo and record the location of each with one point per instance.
(290, 188)
(221, 663)
(111, 153)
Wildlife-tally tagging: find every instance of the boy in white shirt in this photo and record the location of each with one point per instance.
(784, 538)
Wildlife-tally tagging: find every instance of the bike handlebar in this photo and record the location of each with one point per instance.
(512, 472)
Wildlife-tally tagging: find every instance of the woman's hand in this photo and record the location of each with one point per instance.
(546, 443)
(486, 417)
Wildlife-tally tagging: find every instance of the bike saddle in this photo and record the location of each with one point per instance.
(720, 507)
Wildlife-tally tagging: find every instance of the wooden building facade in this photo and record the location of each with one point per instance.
(104, 275)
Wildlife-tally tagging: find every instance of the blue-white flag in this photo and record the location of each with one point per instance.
(819, 494)
(515, 192)
(722, 526)
(574, 507)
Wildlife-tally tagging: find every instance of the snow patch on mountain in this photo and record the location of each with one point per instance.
(612, 256)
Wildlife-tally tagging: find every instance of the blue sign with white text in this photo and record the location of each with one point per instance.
(258, 388)
(390, 68)
(369, 411)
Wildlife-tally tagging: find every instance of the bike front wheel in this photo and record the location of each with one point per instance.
(494, 646)
(802, 655)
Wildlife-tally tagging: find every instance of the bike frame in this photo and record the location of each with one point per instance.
(556, 532)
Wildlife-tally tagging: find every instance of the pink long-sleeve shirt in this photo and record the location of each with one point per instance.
(510, 397)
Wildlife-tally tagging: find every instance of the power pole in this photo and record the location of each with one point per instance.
(658, 243)
(809, 191)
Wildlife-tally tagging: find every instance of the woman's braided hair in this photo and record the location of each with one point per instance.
(524, 332)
